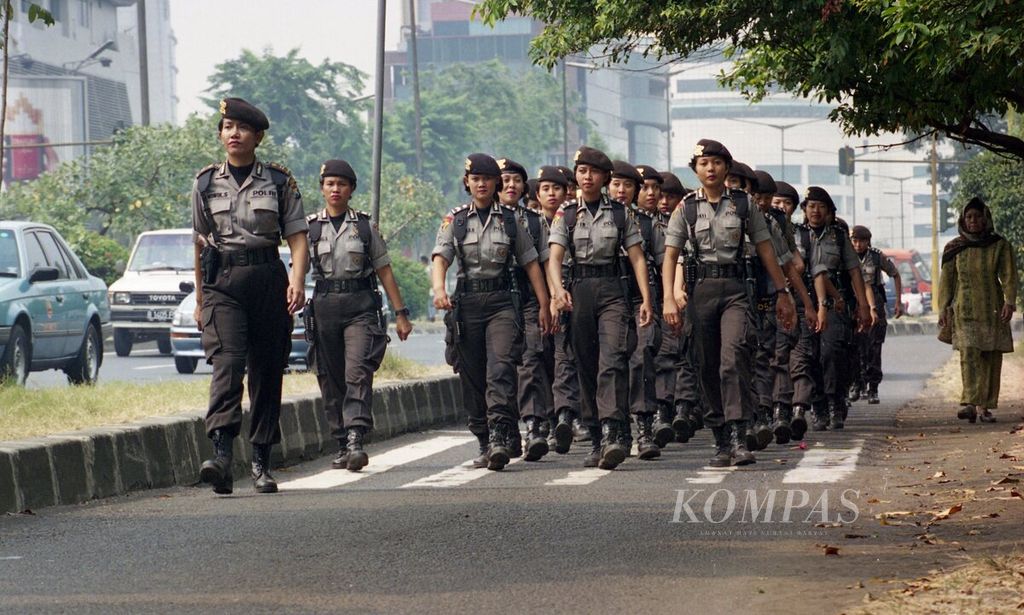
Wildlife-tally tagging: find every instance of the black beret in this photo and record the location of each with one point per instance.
(624, 170)
(671, 184)
(554, 175)
(337, 168)
(765, 183)
(648, 172)
(843, 224)
(593, 157)
(569, 175)
(507, 165)
(531, 189)
(241, 111)
(482, 164)
(787, 191)
(816, 193)
(708, 147)
(861, 232)
(743, 170)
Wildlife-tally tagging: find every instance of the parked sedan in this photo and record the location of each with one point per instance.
(53, 314)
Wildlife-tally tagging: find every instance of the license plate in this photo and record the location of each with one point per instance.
(160, 315)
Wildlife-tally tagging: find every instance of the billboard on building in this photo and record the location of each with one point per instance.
(43, 114)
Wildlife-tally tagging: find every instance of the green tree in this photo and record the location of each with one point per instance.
(410, 207)
(310, 108)
(915, 66)
(414, 283)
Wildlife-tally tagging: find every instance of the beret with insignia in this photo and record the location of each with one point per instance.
(765, 183)
(648, 172)
(337, 168)
(787, 191)
(744, 171)
(708, 147)
(241, 111)
(507, 165)
(482, 164)
(623, 170)
(861, 232)
(554, 175)
(593, 157)
(671, 185)
(816, 193)
(569, 175)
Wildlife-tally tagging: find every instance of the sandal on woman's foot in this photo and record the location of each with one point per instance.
(987, 417)
(967, 413)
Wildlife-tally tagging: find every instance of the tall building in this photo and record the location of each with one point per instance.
(77, 82)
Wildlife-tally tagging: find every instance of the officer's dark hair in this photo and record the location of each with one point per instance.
(220, 126)
(348, 179)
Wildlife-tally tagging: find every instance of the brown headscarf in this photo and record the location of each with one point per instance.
(986, 237)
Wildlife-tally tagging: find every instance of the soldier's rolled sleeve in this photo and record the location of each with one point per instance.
(444, 245)
(525, 252)
(293, 218)
(757, 229)
(850, 260)
(559, 235)
(378, 249)
(200, 225)
(816, 264)
(889, 267)
(632, 235)
(677, 234)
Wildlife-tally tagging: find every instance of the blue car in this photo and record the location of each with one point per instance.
(53, 314)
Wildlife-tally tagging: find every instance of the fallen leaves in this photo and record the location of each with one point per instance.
(828, 549)
(945, 514)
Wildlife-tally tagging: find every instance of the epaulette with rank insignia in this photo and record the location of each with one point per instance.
(207, 168)
(289, 178)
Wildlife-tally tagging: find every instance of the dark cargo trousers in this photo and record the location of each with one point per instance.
(666, 366)
(565, 386)
(687, 389)
(603, 338)
(349, 346)
(534, 373)
(805, 366)
(719, 309)
(869, 351)
(489, 350)
(766, 332)
(642, 378)
(247, 329)
(785, 341)
(835, 357)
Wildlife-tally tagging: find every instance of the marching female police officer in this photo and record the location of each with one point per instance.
(349, 336)
(595, 231)
(241, 209)
(710, 225)
(484, 315)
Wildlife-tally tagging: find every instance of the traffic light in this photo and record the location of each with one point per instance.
(846, 160)
(947, 216)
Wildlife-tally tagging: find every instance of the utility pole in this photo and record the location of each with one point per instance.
(143, 62)
(565, 115)
(668, 119)
(416, 89)
(935, 216)
(378, 112)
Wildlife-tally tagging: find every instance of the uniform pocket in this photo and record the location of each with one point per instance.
(378, 346)
(209, 336)
(356, 256)
(324, 251)
(264, 211)
(220, 210)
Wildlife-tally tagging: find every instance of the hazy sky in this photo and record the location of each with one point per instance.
(209, 33)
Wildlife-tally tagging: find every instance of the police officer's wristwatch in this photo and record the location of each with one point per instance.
(402, 312)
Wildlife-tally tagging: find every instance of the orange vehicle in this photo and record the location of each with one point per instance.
(915, 273)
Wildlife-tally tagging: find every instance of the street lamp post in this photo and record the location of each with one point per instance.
(378, 112)
(782, 128)
(903, 233)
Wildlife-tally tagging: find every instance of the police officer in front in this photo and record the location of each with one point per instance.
(344, 318)
(485, 316)
(710, 225)
(595, 231)
(245, 298)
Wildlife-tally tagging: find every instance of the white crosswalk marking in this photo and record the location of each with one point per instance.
(454, 477)
(378, 463)
(579, 477)
(825, 465)
(710, 476)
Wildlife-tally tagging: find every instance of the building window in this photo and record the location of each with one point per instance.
(867, 204)
(867, 176)
(922, 170)
(822, 175)
(85, 14)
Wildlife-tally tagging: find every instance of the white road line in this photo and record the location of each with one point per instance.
(578, 477)
(710, 476)
(379, 463)
(10, 557)
(454, 477)
(161, 366)
(825, 465)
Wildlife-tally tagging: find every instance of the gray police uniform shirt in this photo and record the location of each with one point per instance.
(596, 238)
(247, 216)
(834, 249)
(717, 229)
(872, 264)
(540, 243)
(656, 249)
(782, 253)
(814, 262)
(487, 247)
(341, 253)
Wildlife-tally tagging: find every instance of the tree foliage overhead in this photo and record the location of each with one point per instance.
(915, 66)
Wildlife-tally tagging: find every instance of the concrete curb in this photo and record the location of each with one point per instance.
(71, 468)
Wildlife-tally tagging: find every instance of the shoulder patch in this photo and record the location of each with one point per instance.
(456, 210)
(208, 168)
(312, 217)
(509, 207)
(363, 214)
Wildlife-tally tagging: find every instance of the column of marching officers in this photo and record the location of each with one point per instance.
(604, 305)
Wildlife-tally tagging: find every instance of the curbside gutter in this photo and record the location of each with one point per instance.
(75, 467)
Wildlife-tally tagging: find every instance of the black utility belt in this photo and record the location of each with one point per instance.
(248, 257)
(482, 286)
(343, 286)
(581, 272)
(766, 304)
(709, 270)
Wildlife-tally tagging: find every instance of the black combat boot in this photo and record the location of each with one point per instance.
(819, 422)
(836, 410)
(563, 432)
(498, 453)
(580, 432)
(762, 431)
(741, 455)
(261, 478)
(696, 418)
(799, 423)
(723, 450)
(514, 441)
(594, 458)
(781, 424)
(357, 457)
(536, 445)
(217, 471)
(662, 426)
(613, 452)
(340, 462)
(749, 437)
(481, 460)
(647, 448)
(682, 425)
(855, 391)
(624, 435)
(873, 394)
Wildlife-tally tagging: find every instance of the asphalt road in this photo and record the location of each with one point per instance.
(146, 364)
(419, 532)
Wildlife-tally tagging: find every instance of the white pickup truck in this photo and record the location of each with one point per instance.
(143, 301)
